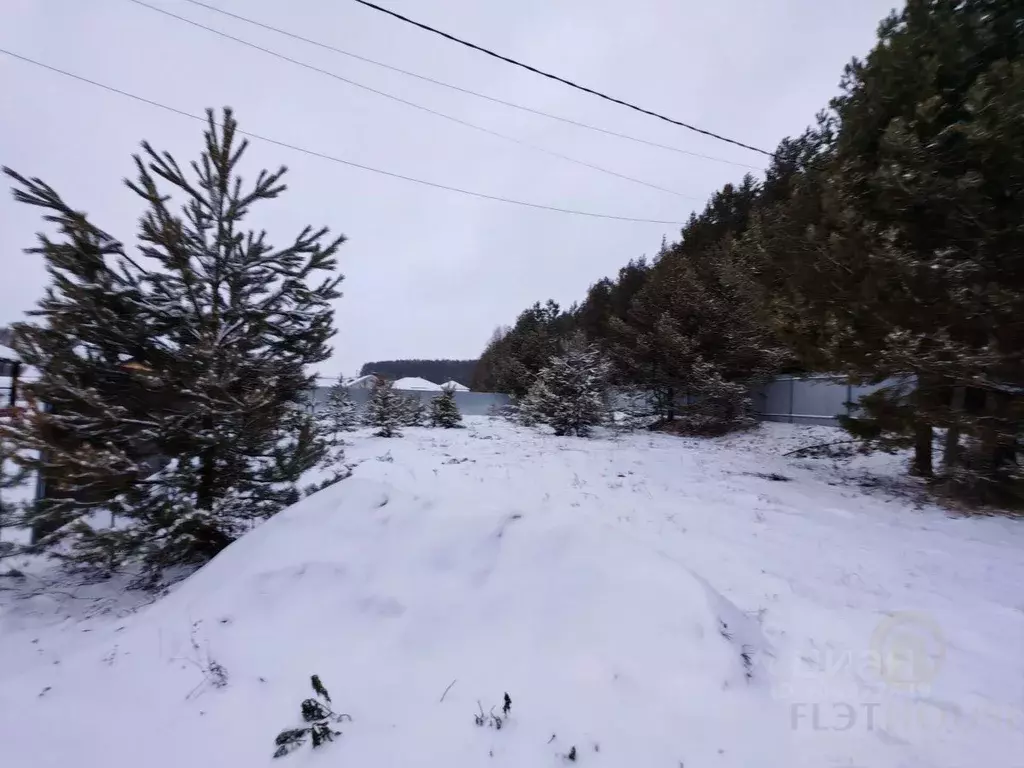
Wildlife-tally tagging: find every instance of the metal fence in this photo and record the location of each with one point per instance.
(470, 403)
(789, 399)
(808, 399)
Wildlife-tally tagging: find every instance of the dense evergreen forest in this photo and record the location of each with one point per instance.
(884, 243)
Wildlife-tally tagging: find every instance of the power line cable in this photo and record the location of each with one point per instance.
(469, 92)
(413, 104)
(563, 80)
(340, 161)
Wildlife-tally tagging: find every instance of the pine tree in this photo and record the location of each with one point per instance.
(13, 476)
(569, 394)
(176, 391)
(385, 409)
(696, 334)
(929, 141)
(90, 419)
(334, 418)
(512, 359)
(339, 412)
(414, 412)
(444, 411)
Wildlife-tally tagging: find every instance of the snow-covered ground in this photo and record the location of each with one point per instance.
(648, 600)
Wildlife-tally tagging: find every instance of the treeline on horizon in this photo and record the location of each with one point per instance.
(437, 371)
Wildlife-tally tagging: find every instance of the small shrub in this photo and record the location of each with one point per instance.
(773, 476)
(746, 656)
(320, 718)
(490, 719)
(215, 674)
(723, 630)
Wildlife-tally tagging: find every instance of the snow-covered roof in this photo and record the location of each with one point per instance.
(453, 384)
(361, 382)
(415, 382)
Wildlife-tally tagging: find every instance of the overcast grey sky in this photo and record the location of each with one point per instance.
(428, 273)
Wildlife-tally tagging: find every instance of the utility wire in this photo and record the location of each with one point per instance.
(412, 104)
(340, 161)
(467, 91)
(563, 80)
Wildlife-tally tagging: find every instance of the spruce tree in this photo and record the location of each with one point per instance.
(13, 477)
(444, 411)
(414, 412)
(386, 409)
(570, 393)
(339, 413)
(334, 418)
(176, 381)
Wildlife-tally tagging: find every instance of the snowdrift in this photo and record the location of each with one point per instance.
(389, 598)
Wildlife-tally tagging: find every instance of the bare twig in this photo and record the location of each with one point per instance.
(447, 689)
(821, 445)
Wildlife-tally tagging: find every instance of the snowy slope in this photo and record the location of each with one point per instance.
(611, 586)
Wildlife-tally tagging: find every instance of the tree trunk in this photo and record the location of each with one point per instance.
(988, 449)
(951, 451)
(207, 470)
(922, 466)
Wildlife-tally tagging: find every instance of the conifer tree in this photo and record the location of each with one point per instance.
(444, 411)
(386, 409)
(335, 417)
(13, 476)
(414, 412)
(570, 393)
(513, 358)
(175, 382)
(696, 334)
(928, 148)
(339, 412)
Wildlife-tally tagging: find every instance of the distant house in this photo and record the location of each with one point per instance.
(454, 385)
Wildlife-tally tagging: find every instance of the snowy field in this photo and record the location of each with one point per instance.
(646, 601)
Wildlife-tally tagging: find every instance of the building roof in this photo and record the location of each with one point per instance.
(361, 382)
(416, 383)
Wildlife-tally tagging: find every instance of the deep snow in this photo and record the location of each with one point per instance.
(611, 586)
